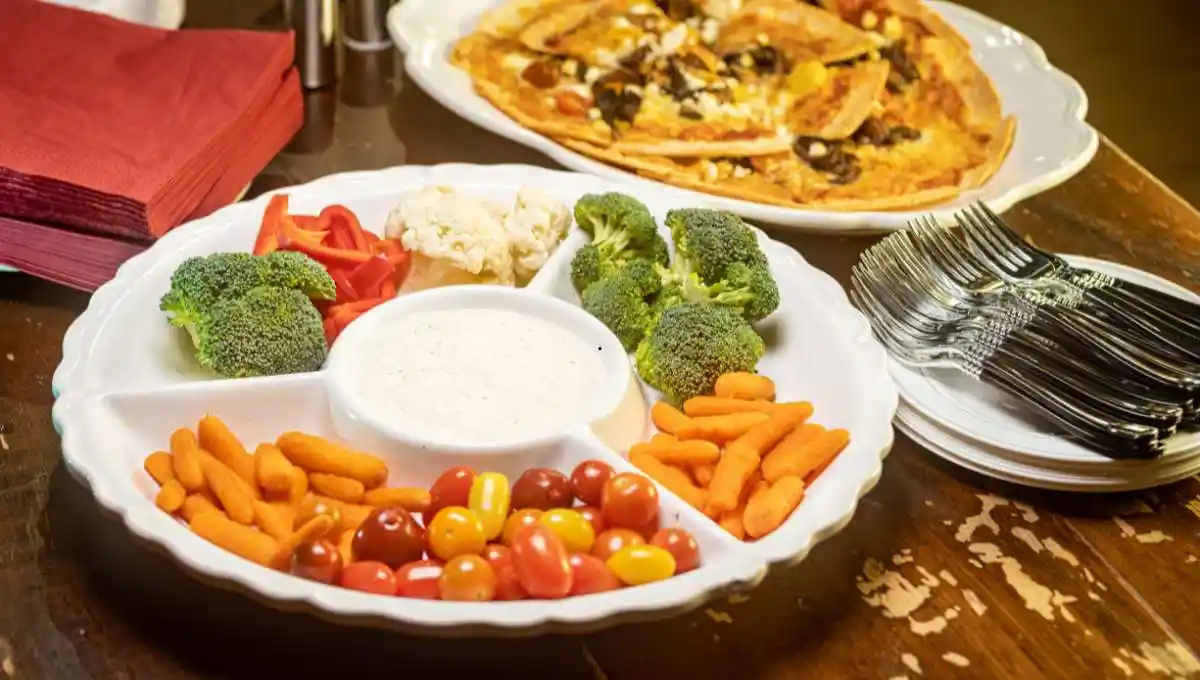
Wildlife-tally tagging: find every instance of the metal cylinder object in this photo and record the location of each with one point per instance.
(365, 27)
(315, 25)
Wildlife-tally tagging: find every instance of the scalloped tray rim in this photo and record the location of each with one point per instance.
(85, 328)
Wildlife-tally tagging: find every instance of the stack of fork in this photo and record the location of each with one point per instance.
(1113, 366)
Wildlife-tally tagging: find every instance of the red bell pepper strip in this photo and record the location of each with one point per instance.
(272, 224)
(345, 225)
(369, 276)
(388, 289)
(357, 307)
(345, 290)
(401, 265)
(307, 222)
(331, 330)
(332, 258)
(372, 237)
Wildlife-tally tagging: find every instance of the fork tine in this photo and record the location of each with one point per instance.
(988, 253)
(1001, 234)
(1000, 227)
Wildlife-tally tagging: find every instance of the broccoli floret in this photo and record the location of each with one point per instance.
(587, 267)
(297, 271)
(644, 275)
(198, 282)
(593, 262)
(615, 221)
(717, 259)
(620, 303)
(692, 345)
(266, 331)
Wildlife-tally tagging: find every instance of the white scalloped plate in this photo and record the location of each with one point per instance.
(1052, 143)
(126, 380)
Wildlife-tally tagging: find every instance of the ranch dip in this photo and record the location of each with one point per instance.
(477, 376)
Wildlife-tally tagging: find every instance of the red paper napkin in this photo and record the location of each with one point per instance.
(127, 129)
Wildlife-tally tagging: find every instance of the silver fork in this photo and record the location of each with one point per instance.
(1015, 258)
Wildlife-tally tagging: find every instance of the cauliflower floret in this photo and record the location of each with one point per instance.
(454, 238)
(535, 226)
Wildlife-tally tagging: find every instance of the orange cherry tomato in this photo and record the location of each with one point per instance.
(489, 499)
(638, 564)
(649, 528)
(519, 519)
(682, 547)
(419, 579)
(591, 575)
(369, 577)
(573, 528)
(452, 488)
(629, 500)
(455, 531)
(540, 559)
(467, 578)
(613, 540)
(592, 514)
(508, 586)
(588, 478)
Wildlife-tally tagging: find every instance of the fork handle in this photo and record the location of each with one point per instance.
(1134, 325)
(1091, 427)
(1159, 318)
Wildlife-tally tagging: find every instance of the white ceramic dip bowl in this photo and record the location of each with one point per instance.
(368, 341)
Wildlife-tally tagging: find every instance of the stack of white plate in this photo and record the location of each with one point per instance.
(981, 428)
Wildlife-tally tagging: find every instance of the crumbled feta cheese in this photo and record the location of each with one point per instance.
(639, 10)
(570, 67)
(673, 39)
(634, 89)
(817, 149)
(709, 29)
(692, 82)
(606, 58)
(516, 62)
(762, 39)
(869, 20)
(781, 130)
(580, 89)
(740, 171)
(653, 90)
(621, 22)
(746, 60)
(593, 74)
(710, 171)
(593, 114)
(647, 39)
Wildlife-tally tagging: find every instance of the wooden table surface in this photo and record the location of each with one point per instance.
(941, 574)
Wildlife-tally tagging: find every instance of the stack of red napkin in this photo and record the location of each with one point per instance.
(112, 133)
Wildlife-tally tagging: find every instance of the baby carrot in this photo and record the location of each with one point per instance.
(697, 407)
(345, 546)
(273, 471)
(667, 418)
(315, 528)
(197, 503)
(160, 467)
(217, 439)
(343, 489)
(769, 509)
(171, 496)
(238, 539)
(799, 459)
(731, 521)
(676, 480)
(692, 451)
(272, 522)
(411, 498)
(744, 386)
(185, 454)
(761, 438)
(721, 429)
(703, 474)
(729, 479)
(353, 515)
(798, 437)
(321, 455)
(663, 437)
(231, 490)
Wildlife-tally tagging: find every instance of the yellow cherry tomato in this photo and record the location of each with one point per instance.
(638, 564)
(455, 531)
(573, 528)
(489, 500)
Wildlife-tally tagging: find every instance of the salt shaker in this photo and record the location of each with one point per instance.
(365, 29)
(315, 25)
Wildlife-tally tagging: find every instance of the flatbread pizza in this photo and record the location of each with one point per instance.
(848, 105)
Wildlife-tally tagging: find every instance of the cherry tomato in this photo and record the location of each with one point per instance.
(497, 554)
(638, 564)
(517, 520)
(508, 586)
(540, 559)
(682, 547)
(391, 536)
(629, 500)
(573, 528)
(489, 499)
(419, 579)
(369, 577)
(455, 531)
(467, 578)
(648, 529)
(592, 514)
(452, 488)
(613, 540)
(588, 478)
(318, 561)
(591, 575)
(543, 489)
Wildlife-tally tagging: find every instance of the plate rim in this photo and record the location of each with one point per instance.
(408, 37)
(84, 330)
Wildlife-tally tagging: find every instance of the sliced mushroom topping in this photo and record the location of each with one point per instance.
(618, 96)
(762, 59)
(829, 157)
(677, 10)
(875, 132)
(904, 71)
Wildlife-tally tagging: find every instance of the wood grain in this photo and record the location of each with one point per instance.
(1044, 585)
